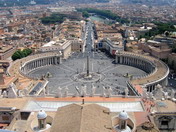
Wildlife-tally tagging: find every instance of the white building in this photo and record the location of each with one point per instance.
(58, 45)
(110, 46)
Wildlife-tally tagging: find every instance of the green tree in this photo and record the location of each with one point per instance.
(20, 54)
(160, 29)
(16, 55)
(54, 18)
(85, 14)
(27, 52)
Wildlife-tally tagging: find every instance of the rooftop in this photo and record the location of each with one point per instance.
(79, 118)
(4, 48)
(164, 106)
(7, 82)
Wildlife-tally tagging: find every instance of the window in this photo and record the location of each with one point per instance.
(41, 122)
(123, 124)
(164, 123)
(5, 118)
(24, 115)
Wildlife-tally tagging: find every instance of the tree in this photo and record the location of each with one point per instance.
(27, 52)
(162, 28)
(21, 54)
(85, 14)
(54, 18)
(16, 55)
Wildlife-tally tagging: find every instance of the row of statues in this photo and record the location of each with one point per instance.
(159, 93)
(82, 92)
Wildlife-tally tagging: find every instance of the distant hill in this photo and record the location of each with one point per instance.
(85, 1)
(150, 2)
(21, 2)
(28, 2)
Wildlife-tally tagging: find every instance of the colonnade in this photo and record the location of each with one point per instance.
(152, 86)
(147, 65)
(39, 62)
(138, 62)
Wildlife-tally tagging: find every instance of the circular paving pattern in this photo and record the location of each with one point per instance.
(72, 74)
(92, 77)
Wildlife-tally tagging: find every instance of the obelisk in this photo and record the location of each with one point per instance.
(87, 66)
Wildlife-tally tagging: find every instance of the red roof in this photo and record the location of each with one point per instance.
(139, 89)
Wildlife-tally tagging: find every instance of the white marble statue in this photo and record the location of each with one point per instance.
(158, 93)
(83, 91)
(150, 96)
(59, 92)
(165, 95)
(126, 92)
(66, 92)
(93, 89)
(25, 92)
(4, 94)
(12, 93)
(20, 94)
(108, 91)
(103, 92)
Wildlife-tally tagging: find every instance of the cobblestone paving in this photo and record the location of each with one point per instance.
(113, 75)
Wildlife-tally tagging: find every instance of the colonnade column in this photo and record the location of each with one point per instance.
(116, 61)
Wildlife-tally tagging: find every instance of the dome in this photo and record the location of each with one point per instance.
(41, 114)
(123, 115)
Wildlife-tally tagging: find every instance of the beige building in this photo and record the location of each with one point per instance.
(108, 38)
(109, 45)
(156, 49)
(77, 45)
(71, 29)
(63, 46)
(6, 51)
(71, 118)
(5, 81)
(172, 61)
(164, 115)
